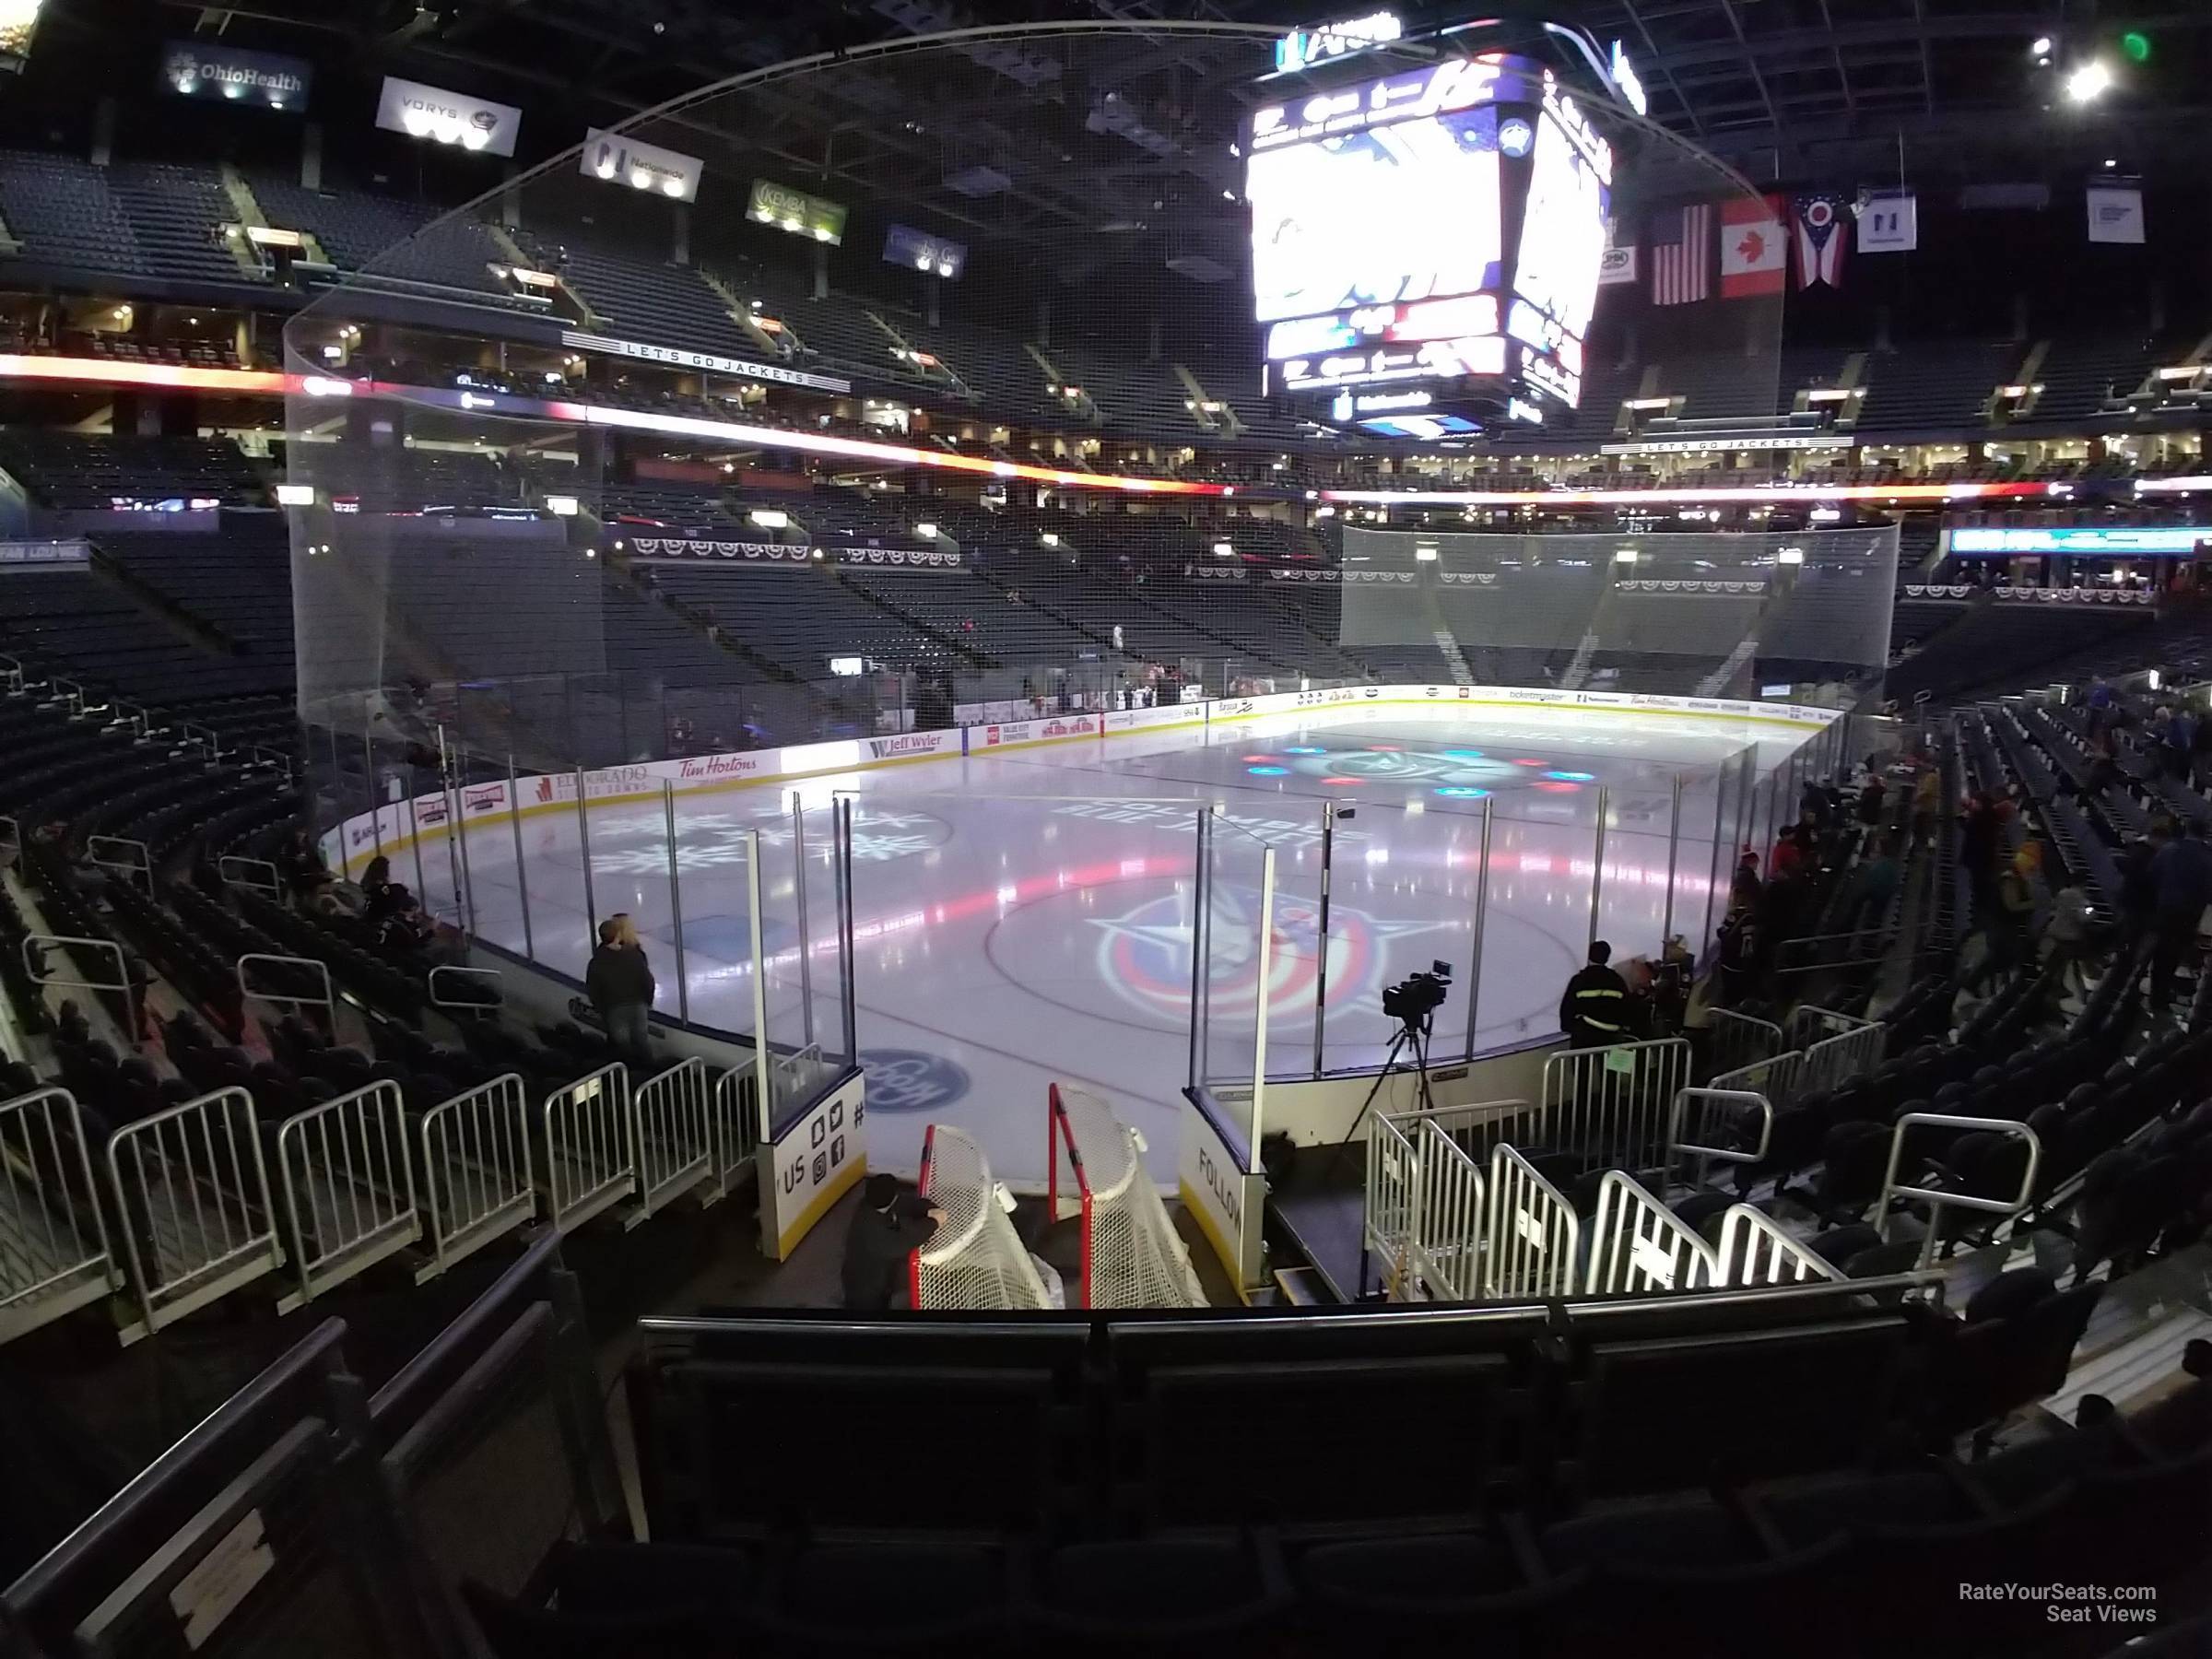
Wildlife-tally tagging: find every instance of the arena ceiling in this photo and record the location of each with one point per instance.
(1835, 91)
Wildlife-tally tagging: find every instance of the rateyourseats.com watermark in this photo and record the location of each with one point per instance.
(2073, 1604)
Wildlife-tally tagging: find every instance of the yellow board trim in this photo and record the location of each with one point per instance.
(1226, 1255)
(839, 1186)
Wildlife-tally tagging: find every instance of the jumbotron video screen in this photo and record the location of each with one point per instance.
(1426, 246)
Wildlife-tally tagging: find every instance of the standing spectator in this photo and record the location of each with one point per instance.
(2005, 928)
(302, 866)
(2101, 704)
(1738, 951)
(1978, 827)
(1595, 1011)
(2180, 746)
(621, 984)
(1927, 801)
(1873, 885)
(1872, 795)
(2182, 878)
(1743, 890)
(2067, 937)
(2138, 888)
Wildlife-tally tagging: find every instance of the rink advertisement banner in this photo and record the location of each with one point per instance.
(913, 745)
(788, 554)
(810, 1165)
(1014, 734)
(1225, 1202)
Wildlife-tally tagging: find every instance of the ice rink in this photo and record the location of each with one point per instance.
(1029, 915)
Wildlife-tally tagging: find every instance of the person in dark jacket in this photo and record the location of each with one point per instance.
(620, 982)
(2181, 874)
(890, 1225)
(1595, 1012)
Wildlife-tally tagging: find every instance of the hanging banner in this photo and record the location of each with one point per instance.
(1890, 223)
(204, 69)
(1818, 240)
(2116, 214)
(443, 117)
(618, 158)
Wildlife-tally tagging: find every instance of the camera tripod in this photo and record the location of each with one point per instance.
(1413, 1034)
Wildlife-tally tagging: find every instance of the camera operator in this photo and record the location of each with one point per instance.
(1596, 1012)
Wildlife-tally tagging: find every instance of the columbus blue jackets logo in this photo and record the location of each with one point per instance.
(1146, 955)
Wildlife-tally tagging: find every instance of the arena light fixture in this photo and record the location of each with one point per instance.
(2089, 80)
(769, 518)
(1790, 555)
(1050, 538)
(2041, 48)
(1424, 554)
(1625, 555)
(1224, 550)
(295, 495)
(561, 506)
(926, 531)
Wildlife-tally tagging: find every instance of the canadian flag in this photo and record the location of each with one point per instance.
(1754, 251)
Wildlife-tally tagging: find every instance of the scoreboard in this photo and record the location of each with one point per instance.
(1427, 245)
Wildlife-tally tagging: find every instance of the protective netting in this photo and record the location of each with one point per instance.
(1688, 613)
(1132, 1254)
(976, 1261)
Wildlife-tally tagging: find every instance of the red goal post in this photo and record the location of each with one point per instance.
(1132, 1257)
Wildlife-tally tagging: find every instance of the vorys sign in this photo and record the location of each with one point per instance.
(444, 117)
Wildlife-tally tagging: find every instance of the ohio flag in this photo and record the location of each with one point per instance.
(1819, 239)
(1754, 251)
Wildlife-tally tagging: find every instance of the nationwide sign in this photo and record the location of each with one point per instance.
(202, 69)
(621, 159)
(740, 367)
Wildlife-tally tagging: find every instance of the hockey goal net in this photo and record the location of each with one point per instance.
(1132, 1257)
(976, 1260)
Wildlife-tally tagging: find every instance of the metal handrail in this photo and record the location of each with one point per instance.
(246, 994)
(275, 884)
(431, 980)
(34, 1302)
(476, 1174)
(1939, 1201)
(141, 865)
(122, 969)
(1659, 1247)
(1743, 1099)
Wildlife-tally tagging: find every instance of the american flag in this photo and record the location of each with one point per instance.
(1682, 255)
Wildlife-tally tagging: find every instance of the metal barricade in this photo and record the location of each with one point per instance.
(476, 1005)
(258, 874)
(672, 1117)
(1776, 1079)
(349, 1188)
(122, 855)
(1837, 1046)
(1614, 1103)
(476, 1182)
(1717, 1125)
(1755, 1250)
(1732, 1039)
(55, 1256)
(1480, 1127)
(193, 1189)
(1386, 1218)
(1637, 1245)
(591, 1151)
(1531, 1238)
(327, 1000)
(1448, 1216)
(1939, 1201)
(737, 1126)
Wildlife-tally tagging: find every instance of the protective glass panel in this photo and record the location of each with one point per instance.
(1402, 899)
(1232, 918)
(803, 953)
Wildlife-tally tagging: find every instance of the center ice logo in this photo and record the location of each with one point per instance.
(1146, 954)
